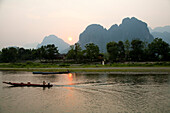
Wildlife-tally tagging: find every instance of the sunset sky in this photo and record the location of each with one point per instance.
(28, 21)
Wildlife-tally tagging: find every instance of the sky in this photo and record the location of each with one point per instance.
(28, 21)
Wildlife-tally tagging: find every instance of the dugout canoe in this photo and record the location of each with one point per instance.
(28, 84)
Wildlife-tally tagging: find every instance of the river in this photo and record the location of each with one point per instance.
(85, 93)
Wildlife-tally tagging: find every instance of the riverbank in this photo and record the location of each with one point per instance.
(128, 67)
(113, 70)
(31, 64)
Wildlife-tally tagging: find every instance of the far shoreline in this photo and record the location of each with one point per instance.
(99, 70)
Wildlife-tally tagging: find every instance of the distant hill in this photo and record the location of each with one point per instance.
(131, 28)
(161, 32)
(52, 39)
(160, 29)
(165, 36)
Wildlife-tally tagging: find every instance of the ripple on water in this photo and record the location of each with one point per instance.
(86, 93)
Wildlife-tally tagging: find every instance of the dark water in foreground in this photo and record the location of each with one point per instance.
(85, 93)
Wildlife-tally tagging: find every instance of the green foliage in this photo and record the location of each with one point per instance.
(26, 54)
(49, 52)
(64, 65)
(41, 53)
(137, 51)
(116, 51)
(71, 53)
(78, 52)
(159, 50)
(75, 52)
(9, 54)
(92, 51)
(12, 54)
(112, 49)
(121, 51)
(127, 50)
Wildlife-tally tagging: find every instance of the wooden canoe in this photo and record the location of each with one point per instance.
(37, 72)
(28, 84)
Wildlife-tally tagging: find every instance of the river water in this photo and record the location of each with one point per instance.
(85, 93)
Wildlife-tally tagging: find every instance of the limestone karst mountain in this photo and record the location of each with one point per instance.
(131, 28)
(161, 29)
(165, 36)
(161, 32)
(52, 39)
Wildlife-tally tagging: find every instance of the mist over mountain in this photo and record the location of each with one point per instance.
(160, 29)
(161, 32)
(165, 36)
(52, 39)
(131, 28)
(30, 45)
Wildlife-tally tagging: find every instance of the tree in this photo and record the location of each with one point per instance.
(71, 53)
(41, 53)
(127, 49)
(21, 52)
(159, 50)
(0, 56)
(137, 52)
(92, 51)
(75, 52)
(51, 52)
(78, 52)
(146, 56)
(121, 51)
(112, 49)
(34, 54)
(25, 54)
(48, 52)
(9, 54)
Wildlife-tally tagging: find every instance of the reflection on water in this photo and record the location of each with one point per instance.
(85, 93)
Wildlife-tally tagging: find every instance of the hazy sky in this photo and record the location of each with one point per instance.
(29, 21)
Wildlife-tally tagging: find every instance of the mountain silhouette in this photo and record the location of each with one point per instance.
(129, 29)
(161, 29)
(161, 32)
(165, 36)
(52, 39)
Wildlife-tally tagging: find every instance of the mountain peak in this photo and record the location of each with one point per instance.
(113, 27)
(132, 20)
(94, 27)
(125, 20)
(52, 39)
(131, 28)
(161, 29)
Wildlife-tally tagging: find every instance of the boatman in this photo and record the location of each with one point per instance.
(44, 83)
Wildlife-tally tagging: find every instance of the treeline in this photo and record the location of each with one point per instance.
(50, 53)
(16, 54)
(136, 50)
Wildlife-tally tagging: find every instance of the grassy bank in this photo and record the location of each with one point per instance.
(115, 67)
(156, 70)
(61, 65)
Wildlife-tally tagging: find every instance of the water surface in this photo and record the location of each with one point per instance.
(83, 93)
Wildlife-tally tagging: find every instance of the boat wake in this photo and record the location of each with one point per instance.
(84, 84)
